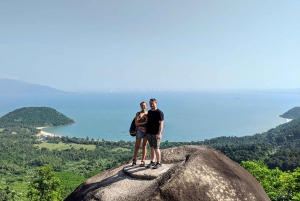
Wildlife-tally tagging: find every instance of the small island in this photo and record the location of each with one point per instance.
(34, 117)
(293, 113)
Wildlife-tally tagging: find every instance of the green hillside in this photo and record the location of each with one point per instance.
(293, 113)
(286, 135)
(34, 117)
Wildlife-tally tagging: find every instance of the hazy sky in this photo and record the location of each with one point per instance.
(97, 44)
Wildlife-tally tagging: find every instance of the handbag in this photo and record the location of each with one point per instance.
(133, 128)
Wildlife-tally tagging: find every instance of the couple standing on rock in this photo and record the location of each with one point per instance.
(149, 128)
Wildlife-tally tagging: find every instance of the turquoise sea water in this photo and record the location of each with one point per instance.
(189, 116)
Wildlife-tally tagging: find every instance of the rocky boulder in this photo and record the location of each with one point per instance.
(188, 173)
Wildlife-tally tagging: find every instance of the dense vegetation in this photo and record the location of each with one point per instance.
(293, 113)
(45, 186)
(21, 155)
(76, 159)
(34, 117)
(279, 185)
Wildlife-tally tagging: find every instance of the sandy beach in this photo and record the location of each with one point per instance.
(287, 120)
(46, 134)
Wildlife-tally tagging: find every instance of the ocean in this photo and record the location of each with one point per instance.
(189, 116)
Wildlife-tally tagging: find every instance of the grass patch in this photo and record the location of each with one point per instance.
(69, 182)
(1, 129)
(17, 184)
(117, 149)
(20, 188)
(63, 146)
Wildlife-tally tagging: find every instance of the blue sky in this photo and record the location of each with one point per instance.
(96, 44)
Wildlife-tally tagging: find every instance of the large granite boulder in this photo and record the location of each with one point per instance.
(188, 173)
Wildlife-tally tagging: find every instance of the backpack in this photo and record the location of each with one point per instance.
(133, 128)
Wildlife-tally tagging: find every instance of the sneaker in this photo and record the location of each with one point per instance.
(157, 165)
(150, 164)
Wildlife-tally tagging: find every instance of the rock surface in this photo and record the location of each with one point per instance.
(145, 173)
(188, 173)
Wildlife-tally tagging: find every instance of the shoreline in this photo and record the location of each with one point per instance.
(287, 119)
(46, 134)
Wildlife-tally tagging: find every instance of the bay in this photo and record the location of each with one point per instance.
(189, 116)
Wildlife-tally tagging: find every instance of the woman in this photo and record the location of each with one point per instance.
(141, 119)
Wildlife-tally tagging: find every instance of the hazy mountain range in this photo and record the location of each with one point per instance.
(11, 86)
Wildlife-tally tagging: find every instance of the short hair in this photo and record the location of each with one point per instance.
(142, 103)
(153, 99)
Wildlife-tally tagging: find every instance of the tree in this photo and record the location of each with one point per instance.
(279, 185)
(45, 186)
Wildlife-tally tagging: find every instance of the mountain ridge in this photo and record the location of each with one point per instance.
(12, 86)
(293, 113)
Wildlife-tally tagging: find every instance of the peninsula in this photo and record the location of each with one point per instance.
(293, 113)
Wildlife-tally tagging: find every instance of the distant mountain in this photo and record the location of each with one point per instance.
(10, 86)
(293, 113)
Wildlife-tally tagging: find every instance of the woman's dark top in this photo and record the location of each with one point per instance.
(142, 119)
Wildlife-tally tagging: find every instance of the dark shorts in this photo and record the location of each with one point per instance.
(153, 142)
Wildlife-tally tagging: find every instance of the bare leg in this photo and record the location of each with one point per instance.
(152, 154)
(158, 155)
(137, 147)
(144, 152)
(152, 158)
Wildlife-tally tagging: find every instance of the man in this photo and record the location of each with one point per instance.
(155, 126)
